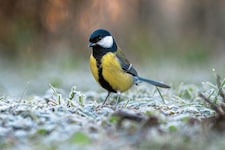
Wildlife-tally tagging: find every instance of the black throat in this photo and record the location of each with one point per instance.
(99, 52)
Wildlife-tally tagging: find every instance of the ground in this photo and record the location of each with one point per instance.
(145, 118)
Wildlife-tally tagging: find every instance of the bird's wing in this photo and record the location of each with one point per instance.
(125, 64)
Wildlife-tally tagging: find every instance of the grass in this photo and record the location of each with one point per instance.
(167, 119)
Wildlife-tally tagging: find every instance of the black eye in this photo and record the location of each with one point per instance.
(99, 38)
(96, 39)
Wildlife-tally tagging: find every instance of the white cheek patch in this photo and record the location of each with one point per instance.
(106, 42)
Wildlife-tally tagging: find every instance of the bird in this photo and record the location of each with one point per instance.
(110, 67)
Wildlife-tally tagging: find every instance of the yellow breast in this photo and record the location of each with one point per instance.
(114, 74)
(93, 67)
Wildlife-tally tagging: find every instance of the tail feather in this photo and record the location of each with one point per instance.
(158, 84)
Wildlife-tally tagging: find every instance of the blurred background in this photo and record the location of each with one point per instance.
(45, 41)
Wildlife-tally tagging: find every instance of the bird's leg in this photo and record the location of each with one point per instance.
(106, 98)
(118, 97)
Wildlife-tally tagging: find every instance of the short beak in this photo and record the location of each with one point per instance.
(91, 44)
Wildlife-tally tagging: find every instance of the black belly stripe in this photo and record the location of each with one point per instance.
(102, 80)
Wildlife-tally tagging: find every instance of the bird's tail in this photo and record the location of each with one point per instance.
(158, 84)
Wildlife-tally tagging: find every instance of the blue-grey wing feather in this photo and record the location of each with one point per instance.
(125, 64)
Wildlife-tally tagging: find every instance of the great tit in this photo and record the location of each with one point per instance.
(110, 67)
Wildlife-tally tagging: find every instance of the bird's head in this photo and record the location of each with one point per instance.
(102, 38)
